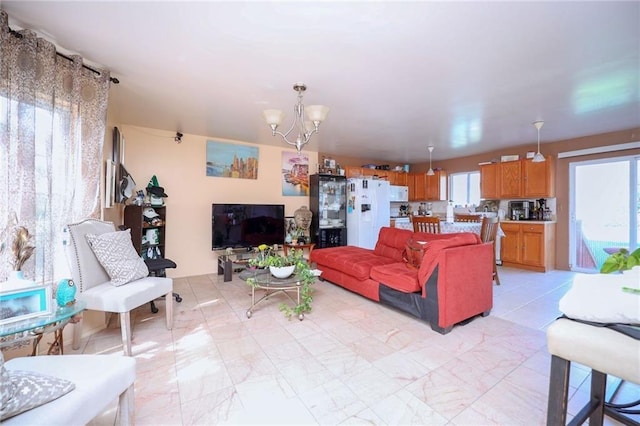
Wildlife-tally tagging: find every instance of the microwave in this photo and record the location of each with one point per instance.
(398, 193)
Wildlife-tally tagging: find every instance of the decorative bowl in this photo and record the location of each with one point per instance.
(282, 271)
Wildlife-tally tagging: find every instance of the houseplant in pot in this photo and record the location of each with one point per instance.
(298, 265)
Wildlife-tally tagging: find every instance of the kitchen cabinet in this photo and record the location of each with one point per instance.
(489, 181)
(518, 179)
(427, 188)
(417, 186)
(539, 179)
(394, 177)
(528, 245)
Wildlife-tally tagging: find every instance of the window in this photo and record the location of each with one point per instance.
(464, 188)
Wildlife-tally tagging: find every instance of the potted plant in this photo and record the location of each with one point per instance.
(622, 260)
(298, 265)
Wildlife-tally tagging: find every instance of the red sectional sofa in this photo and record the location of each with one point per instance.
(453, 282)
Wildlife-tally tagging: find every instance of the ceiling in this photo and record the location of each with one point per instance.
(465, 77)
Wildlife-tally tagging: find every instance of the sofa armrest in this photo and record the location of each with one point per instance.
(460, 286)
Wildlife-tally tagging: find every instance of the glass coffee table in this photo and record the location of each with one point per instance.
(263, 280)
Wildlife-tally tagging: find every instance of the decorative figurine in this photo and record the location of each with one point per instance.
(66, 292)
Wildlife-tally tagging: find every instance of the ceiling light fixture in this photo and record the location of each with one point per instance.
(538, 158)
(315, 114)
(430, 172)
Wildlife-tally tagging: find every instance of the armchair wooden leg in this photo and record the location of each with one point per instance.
(127, 407)
(125, 328)
(169, 307)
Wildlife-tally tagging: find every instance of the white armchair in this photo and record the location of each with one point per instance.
(95, 288)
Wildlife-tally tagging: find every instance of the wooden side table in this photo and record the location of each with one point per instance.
(302, 247)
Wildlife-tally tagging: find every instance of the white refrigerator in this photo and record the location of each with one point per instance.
(368, 210)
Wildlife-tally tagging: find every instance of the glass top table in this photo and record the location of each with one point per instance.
(21, 332)
(263, 280)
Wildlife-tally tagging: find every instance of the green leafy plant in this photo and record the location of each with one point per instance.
(622, 260)
(268, 257)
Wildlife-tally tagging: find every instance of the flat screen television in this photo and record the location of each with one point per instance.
(246, 225)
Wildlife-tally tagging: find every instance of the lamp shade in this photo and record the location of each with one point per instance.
(317, 112)
(273, 116)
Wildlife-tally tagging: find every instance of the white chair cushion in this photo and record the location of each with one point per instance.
(99, 380)
(86, 270)
(599, 348)
(108, 298)
(118, 257)
(25, 390)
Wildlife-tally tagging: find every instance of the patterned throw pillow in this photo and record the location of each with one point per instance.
(118, 257)
(21, 391)
(414, 252)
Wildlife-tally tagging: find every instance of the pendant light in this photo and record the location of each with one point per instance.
(430, 172)
(538, 158)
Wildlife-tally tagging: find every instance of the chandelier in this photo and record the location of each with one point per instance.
(304, 129)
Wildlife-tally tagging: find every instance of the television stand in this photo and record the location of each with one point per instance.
(227, 263)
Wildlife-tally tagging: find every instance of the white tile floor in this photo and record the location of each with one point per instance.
(351, 361)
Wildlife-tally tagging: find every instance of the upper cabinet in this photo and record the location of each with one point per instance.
(394, 177)
(489, 181)
(427, 188)
(518, 179)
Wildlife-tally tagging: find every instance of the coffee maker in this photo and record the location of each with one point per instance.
(521, 210)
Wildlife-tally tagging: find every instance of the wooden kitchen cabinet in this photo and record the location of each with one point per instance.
(417, 186)
(510, 179)
(401, 178)
(539, 179)
(489, 181)
(352, 171)
(436, 186)
(518, 179)
(528, 245)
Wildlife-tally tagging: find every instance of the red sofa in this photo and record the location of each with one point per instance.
(453, 283)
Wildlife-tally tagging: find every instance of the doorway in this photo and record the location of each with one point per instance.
(604, 210)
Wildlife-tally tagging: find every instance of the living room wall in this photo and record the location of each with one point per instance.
(180, 169)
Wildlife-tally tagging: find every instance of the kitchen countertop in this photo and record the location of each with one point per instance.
(527, 221)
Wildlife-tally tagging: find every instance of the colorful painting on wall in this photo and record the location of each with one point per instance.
(232, 160)
(295, 173)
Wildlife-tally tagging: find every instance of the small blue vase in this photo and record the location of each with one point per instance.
(66, 292)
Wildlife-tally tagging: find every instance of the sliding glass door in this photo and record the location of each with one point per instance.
(604, 210)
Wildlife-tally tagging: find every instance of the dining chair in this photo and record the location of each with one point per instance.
(103, 291)
(430, 224)
(488, 234)
(459, 217)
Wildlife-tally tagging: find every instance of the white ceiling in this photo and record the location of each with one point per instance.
(467, 77)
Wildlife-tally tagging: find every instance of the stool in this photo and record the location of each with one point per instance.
(605, 351)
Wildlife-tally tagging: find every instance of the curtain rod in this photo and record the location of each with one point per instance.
(112, 79)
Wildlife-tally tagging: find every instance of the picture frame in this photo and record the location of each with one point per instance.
(289, 225)
(25, 303)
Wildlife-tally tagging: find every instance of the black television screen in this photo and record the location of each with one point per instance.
(246, 225)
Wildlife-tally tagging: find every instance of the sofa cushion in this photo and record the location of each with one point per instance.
(355, 261)
(391, 242)
(397, 276)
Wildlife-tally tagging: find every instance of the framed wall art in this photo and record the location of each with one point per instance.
(295, 174)
(24, 303)
(232, 160)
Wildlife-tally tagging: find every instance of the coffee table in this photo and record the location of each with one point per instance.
(263, 280)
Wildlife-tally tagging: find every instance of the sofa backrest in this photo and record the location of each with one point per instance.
(391, 242)
(435, 247)
(467, 237)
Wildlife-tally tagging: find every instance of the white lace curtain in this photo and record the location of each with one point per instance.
(52, 123)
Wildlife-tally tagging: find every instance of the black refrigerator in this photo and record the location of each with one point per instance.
(328, 202)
